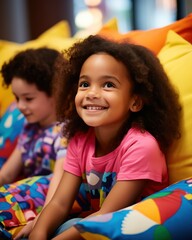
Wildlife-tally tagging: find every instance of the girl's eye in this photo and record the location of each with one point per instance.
(109, 85)
(29, 99)
(17, 99)
(83, 84)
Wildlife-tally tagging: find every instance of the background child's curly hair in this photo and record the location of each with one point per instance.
(161, 110)
(35, 66)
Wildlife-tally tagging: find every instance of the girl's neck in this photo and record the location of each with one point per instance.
(103, 149)
(48, 122)
(109, 138)
(106, 141)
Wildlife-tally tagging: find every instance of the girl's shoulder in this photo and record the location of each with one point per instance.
(140, 137)
(30, 127)
(139, 133)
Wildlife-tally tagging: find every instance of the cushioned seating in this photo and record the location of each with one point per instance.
(166, 215)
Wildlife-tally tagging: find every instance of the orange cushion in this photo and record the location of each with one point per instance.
(153, 39)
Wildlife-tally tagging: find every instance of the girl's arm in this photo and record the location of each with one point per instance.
(57, 175)
(12, 168)
(123, 194)
(58, 209)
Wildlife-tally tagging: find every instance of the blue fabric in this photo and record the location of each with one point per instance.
(165, 215)
(67, 225)
(11, 125)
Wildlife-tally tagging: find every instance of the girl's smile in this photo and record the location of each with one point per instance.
(104, 94)
(94, 107)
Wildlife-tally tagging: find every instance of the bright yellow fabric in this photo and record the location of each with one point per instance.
(6, 96)
(176, 58)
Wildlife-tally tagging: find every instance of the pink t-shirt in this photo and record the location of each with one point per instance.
(137, 157)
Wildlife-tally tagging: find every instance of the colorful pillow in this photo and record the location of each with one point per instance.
(176, 58)
(22, 201)
(153, 39)
(11, 125)
(165, 215)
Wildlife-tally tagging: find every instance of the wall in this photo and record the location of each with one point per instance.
(13, 20)
(23, 20)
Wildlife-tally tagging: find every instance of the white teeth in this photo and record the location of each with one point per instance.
(94, 108)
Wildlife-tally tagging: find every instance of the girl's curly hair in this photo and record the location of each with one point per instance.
(35, 66)
(161, 110)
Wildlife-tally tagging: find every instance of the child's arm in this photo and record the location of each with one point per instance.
(123, 194)
(57, 174)
(12, 168)
(57, 210)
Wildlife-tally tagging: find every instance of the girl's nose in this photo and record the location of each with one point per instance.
(21, 105)
(93, 93)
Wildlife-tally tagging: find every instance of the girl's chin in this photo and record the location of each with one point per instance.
(31, 120)
(92, 124)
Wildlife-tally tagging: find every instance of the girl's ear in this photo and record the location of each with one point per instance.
(136, 104)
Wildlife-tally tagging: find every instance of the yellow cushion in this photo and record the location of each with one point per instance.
(176, 58)
(60, 29)
(6, 96)
(57, 37)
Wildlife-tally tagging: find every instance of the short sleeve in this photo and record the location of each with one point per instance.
(60, 147)
(143, 159)
(73, 159)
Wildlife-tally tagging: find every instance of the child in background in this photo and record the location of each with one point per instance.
(121, 115)
(30, 74)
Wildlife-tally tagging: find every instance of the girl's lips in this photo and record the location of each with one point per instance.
(27, 115)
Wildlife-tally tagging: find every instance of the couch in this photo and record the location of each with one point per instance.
(165, 215)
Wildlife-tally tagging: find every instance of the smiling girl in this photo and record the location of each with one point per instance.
(121, 115)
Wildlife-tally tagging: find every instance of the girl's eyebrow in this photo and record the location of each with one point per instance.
(104, 77)
(25, 94)
(83, 76)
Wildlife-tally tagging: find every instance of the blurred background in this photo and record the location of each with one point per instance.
(24, 20)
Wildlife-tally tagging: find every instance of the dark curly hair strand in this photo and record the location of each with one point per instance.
(35, 66)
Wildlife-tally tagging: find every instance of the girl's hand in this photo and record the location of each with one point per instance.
(25, 231)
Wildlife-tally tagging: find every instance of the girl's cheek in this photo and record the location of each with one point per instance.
(76, 100)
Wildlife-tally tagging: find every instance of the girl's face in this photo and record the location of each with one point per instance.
(36, 106)
(104, 93)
